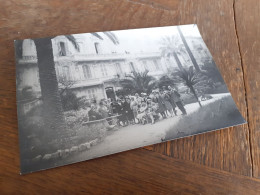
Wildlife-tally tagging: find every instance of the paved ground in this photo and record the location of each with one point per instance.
(137, 135)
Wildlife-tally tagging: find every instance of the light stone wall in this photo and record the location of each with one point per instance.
(28, 77)
(110, 63)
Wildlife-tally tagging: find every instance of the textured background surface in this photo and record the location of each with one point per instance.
(225, 161)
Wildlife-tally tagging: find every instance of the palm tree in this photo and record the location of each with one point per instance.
(188, 49)
(171, 46)
(190, 78)
(52, 107)
(138, 82)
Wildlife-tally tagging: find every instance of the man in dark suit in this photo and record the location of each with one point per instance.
(176, 97)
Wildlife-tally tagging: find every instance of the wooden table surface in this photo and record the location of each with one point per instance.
(221, 162)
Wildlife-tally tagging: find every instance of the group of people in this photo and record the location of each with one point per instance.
(139, 108)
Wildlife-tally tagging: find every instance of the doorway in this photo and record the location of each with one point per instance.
(110, 93)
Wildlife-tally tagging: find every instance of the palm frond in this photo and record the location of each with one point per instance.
(172, 44)
(97, 35)
(73, 41)
(112, 37)
(139, 82)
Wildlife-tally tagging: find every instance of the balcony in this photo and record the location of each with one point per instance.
(28, 60)
(107, 57)
(94, 57)
(93, 81)
(99, 57)
(147, 55)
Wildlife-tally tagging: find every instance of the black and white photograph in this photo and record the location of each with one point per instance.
(84, 96)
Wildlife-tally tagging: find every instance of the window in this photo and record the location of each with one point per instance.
(132, 68)
(91, 93)
(97, 48)
(103, 70)
(87, 72)
(62, 49)
(118, 68)
(156, 65)
(81, 47)
(66, 73)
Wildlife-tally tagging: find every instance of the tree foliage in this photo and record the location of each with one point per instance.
(138, 82)
(172, 46)
(166, 81)
(195, 81)
(52, 105)
(195, 64)
(71, 38)
(65, 84)
(70, 101)
(210, 69)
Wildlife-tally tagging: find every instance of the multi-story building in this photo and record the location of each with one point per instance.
(98, 65)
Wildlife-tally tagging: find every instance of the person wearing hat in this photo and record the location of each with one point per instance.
(109, 106)
(168, 105)
(128, 111)
(103, 111)
(151, 110)
(144, 96)
(161, 104)
(134, 107)
(122, 115)
(142, 112)
(176, 97)
(114, 107)
(138, 99)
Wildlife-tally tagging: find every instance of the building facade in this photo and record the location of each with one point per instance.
(97, 67)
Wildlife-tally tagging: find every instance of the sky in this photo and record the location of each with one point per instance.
(148, 39)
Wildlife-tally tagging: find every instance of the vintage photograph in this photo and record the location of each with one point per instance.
(84, 96)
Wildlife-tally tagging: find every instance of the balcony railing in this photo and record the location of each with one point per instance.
(28, 59)
(111, 56)
(95, 81)
(94, 57)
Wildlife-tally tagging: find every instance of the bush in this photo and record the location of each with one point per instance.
(32, 134)
(70, 101)
(188, 98)
(35, 139)
(87, 132)
(76, 117)
(220, 88)
(219, 114)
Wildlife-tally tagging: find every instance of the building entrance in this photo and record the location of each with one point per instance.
(110, 93)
